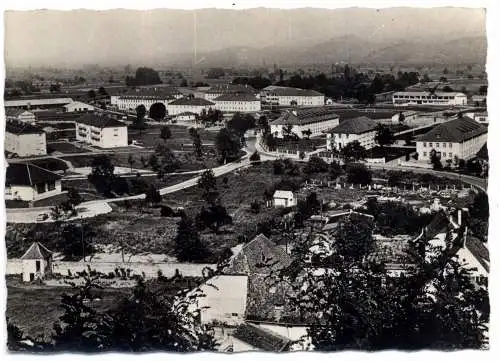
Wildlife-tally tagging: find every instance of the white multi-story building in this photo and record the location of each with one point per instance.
(302, 121)
(237, 102)
(361, 129)
(224, 89)
(101, 131)
(460, 138)
(286, 96)
(28, 182)
(131, 100)
(24, 139)
(191, 105)
(480, 116)
(428, 98)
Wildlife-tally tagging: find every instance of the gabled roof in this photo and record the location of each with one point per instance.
(36, 102)
(454, 131)
(37, 251)
(77, 103)
(192, 101)
(18, 127)
(289, 91)
(259, 256)
(237, 97)
(27, 174)
(261, 338)
(305, 116)
(231, 88)
(99, 121)
(357, 125)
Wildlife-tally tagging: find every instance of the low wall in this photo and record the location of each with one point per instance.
(150, 270)
(415, 164)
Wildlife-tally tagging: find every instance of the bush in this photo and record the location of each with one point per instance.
(166, 211)
(358, 174)
(255, 157)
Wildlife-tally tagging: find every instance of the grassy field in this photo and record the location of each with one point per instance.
(35, 308)
(150, 137)
(65, 147)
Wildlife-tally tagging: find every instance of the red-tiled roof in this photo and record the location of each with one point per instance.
(305, 116)
(454, 131)
(357, 125)
(99, 121)
(27, 174)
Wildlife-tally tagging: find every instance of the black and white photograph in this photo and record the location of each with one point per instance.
(246, 179)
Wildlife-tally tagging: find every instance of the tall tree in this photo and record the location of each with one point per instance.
(208, 184)
(188, 245)
(384, 135)
(165, 133)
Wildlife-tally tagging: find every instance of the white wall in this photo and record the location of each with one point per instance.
(317, 128)
(28, 193)
(285, 202)
(105, 138)
(174, 109)
(238, 106)
(226, 302)
(29, 267)
(465, 150)
(26, 144)
(338, 141)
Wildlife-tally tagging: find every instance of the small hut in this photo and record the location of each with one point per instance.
(37, 262)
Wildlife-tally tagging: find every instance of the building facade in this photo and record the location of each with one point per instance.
(129, 101)
(460, 138)
(21, 115)
(191, 105)
(238, 102)
(304, 123)
(101, 131)
(428, 98)
(360, 129)
(224, 89)
(284, 199)
(28, 182)
(78, 107)
(24, 139)
(286, 96)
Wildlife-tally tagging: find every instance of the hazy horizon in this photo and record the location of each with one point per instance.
(114, 37)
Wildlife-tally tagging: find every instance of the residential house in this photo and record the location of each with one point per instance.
(303, 123)
(24, 139)
(361, 129)
(284, 199)
(19, 114)
(36, 262)
(78, 107)
(287, 96)
(101, 130)
(28, 182)
(428, 98)
(191, 105)
(460, 138)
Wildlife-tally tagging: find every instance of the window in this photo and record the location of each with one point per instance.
(450, 145)
(38, 266)
(51, 185)
(430, 145)
(425, 154)
(444, 145)
(425, 144)
(437, 145)
(234, 314)
(450, 155)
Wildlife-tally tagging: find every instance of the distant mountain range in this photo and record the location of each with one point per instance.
(254, 36)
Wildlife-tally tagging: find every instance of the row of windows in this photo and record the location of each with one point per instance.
(450, 155)
(432, 97)
(450, 145)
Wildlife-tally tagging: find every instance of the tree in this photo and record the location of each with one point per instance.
(91, 94)
(335, 170)
(102, 92)
(302, 155)
(306, 208)
(102, 174)
(76, 241)
(255, 157)
(240, 123)
(227, 144)
(158, 111)
(74, 198)
(139, 121)
(131, 161)
(353, 151)
(141, 111)
(152, 195)
(197, 145)
(358, 174)
(443, 79)
(165, 133)
(384, 135)
(353, 238)
(208, 184)
(54, 88)
(315, 165)
(447, 89)
(435, 161)
(214, 217)
(188, 246)
(144, 76)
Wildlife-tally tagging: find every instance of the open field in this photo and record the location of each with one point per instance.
(150, 137)
(65, 147)
(27, 306)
